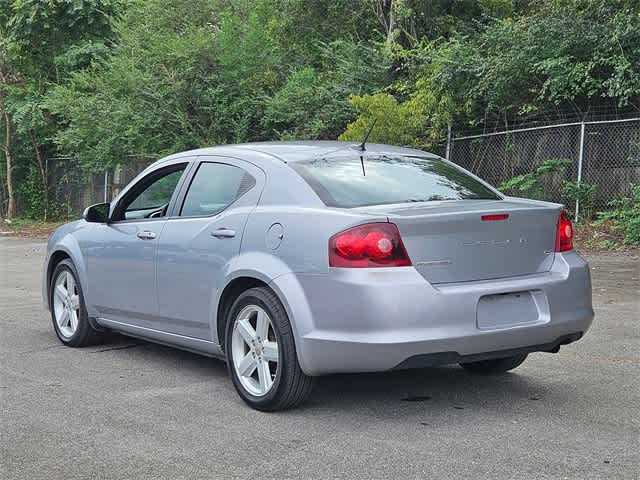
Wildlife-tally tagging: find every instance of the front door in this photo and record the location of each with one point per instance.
(121, 264)
(199, 242)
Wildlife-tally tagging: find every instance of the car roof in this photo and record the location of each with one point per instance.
(306, 150)
(294, 151)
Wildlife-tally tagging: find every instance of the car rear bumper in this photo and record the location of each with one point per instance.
(359, 320)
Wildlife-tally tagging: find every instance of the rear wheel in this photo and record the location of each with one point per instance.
(261, 354)
(68, 311)
(498, 365)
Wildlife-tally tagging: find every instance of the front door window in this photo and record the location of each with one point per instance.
(151, 196)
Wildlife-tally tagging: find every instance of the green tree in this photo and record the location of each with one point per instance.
(183, 77)
(41, 43)
(547, 55)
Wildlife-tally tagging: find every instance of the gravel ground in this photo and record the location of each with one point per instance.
(131, 409)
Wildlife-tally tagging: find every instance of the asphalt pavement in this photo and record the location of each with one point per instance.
(131, 409)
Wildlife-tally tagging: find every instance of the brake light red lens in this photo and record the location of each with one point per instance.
(370, 245)
(494, 217)
(564, 233)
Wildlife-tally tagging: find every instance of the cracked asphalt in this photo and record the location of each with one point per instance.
(131, 409)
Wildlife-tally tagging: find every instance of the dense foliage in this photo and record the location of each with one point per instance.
(625, 215)
(532, 184)
(105, 80)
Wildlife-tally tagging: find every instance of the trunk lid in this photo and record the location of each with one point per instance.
(449, 242)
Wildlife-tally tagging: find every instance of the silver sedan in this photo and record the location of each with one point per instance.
(293, 260)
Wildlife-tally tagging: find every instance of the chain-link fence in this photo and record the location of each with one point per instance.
(71, 187)
(604, 155)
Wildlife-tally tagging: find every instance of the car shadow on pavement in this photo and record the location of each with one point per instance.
(449, 385)
(448, 388)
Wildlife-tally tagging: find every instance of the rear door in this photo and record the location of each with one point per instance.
(198, 244)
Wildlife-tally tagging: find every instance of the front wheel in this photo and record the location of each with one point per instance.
(68, 311)
(261, 353)
(497, 365)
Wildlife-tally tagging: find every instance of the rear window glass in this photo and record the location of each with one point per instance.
(342, 182)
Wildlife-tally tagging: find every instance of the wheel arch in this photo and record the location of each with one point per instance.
(55, 258)
(288, 290)
(231, 291)
(67, 248)
(241, 274)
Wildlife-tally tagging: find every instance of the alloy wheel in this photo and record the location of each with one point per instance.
(66, 303)
(255, 350)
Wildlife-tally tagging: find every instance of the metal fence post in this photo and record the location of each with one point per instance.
(447, 153)
(106, 185)
(580, 159)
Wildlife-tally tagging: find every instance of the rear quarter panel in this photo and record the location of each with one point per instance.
(303, 249)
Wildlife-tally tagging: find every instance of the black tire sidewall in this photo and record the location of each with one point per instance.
(266, 300)
(84, 329)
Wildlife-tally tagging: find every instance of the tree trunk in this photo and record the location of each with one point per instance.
(392, 25)
(42, 168)
(11, 206)
(7, 78)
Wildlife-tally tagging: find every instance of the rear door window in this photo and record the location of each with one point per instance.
(352, 181)
(214, 187)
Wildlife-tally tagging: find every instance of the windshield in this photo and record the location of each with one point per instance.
(342, 182)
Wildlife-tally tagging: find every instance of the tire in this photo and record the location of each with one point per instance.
(289, 385)
(77, 331)
(498, 365)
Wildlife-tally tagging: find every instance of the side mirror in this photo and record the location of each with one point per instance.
(98, 213)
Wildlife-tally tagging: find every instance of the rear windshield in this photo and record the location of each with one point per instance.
(342, 182)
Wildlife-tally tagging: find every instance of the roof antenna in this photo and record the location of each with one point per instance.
(364, 141)
(366, 137)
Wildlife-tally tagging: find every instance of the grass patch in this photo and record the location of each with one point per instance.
(602, 236)
(25, 227)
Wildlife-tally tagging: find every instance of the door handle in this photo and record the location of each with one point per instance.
(223, 233)
(146, 235)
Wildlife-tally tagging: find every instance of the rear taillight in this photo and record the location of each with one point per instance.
(370, 245)
(564, 233)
